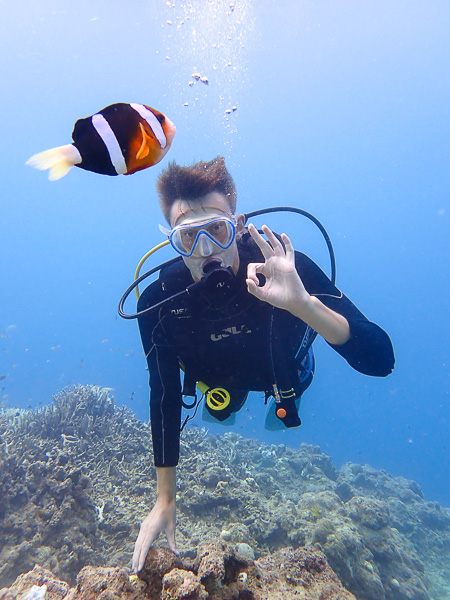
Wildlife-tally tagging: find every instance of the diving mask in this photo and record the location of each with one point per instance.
(185, 238)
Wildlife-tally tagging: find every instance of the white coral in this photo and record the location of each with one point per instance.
(37, 593)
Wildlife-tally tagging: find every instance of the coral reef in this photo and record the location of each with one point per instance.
(51, 462)
(76, 480)
(216, 574)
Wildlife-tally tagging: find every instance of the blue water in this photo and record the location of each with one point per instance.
(342, 109)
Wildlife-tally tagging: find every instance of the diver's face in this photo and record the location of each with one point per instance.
(184, 212)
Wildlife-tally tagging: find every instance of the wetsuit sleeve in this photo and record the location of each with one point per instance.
(369, 349)
(165, 386)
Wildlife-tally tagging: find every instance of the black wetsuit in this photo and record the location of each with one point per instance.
(227, 338)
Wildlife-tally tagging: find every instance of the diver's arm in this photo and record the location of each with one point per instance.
(165, 388)
(161, 517)
(316, 301)
(332, 326)
(284, 288)
(165, 416)
(369, 349)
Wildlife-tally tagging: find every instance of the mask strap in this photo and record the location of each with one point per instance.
(164, 230)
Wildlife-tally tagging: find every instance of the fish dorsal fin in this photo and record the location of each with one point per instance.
(144, 149)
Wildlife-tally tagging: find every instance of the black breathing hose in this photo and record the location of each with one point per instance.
(190, 288)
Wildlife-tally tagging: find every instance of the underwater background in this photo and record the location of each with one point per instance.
(342, 110)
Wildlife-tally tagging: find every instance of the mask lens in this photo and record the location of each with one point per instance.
(220, 232)
(188, 238)
(185, 238)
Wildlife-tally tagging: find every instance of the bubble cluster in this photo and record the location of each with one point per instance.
(206, 43)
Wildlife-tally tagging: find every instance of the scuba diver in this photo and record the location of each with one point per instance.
(237, 313)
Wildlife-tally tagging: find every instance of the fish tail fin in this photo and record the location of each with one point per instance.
(58, 160)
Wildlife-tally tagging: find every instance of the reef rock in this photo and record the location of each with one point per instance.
(37, 578)
(157, 564)
(217, 574)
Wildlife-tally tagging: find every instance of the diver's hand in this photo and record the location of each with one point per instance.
(161, 518)
(283, 287)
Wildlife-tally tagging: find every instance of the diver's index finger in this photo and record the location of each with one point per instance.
(260, 241)
(274, 241)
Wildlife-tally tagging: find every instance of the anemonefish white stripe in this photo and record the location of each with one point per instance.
(153, 122)
(112, 145)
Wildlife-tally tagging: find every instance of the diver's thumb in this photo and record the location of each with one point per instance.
(173, 547)
(171, 541)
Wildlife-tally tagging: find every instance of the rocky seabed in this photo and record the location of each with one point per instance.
(254, 521)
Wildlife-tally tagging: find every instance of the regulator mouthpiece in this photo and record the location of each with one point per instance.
(217, 278)
(212, 265)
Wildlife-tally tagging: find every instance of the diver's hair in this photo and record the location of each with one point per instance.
(194, 182)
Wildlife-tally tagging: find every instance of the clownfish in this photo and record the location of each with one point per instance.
(118, 140)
